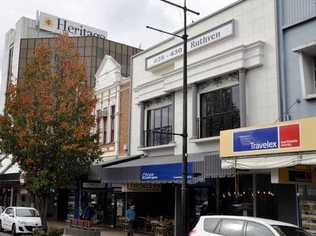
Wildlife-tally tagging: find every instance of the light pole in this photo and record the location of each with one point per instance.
(184, 186)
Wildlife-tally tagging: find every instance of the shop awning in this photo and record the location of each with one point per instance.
(270, 161)
(278, 145)
(161, 169)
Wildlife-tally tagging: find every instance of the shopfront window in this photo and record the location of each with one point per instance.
(159, 126)
(219, 110)
(307, 197)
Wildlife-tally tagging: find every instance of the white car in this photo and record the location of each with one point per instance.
(244, 226)
(20, 220)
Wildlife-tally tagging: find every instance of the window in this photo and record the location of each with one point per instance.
(26, 212)
(112, 123)
(219, 110)
(105, 121)
(210, 224)
(9, 74)
(231, 227)
(254, 229)
(307, 70)
(159, 126)
(314, 73)
(98, 127)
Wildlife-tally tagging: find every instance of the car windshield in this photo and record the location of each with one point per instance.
(290, 231)
(26, 213)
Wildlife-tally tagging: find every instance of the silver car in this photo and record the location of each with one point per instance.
(244, 226)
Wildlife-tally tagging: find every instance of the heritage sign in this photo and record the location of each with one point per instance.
(218, 33)
(59, 25)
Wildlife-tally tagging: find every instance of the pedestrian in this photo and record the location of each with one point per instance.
(131, 216)
(88, 212)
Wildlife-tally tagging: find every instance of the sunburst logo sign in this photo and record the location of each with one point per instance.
(48, 22)
(59, 25)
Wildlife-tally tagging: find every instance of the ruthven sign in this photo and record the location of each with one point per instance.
(59, 25)
(220, 32)
(284, 137)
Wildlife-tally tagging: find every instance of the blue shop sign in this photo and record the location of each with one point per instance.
(257, 139)
(164, 172)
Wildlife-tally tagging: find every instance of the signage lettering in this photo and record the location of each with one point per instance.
(164, 172)
(58, 25)
(284, 136)
(199, 41)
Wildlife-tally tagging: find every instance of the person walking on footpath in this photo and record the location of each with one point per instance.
(131, 216)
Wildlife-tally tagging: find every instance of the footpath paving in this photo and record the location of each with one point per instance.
(114, 233)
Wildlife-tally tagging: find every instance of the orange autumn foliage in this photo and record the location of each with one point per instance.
(49, 116)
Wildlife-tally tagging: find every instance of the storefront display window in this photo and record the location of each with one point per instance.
(307, 196)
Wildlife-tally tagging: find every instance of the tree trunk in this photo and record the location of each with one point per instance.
(41, 202)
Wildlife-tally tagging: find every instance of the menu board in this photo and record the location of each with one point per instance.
(308, 207)
(309, 215)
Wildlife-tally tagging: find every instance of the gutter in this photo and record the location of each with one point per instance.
(280, 63)
(122, 160)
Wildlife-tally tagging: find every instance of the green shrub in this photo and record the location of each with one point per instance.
(55, 232)
(39, 232)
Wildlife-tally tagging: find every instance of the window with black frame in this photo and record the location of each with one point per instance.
(159, 126)
(219, 110)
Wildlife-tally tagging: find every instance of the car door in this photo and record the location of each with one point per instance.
(231, 227)
(254, 229)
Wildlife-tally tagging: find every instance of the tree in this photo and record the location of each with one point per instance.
(48, 120)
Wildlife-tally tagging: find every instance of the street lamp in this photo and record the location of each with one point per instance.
(184, 186)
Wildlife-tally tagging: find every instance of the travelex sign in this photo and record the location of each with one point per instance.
(164, 172)
(59, 25)
(284, 137)
(206, 38)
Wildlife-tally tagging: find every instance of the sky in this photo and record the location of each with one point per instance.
(124, 20)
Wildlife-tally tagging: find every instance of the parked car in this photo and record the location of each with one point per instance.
(20, 220)
(244, 226)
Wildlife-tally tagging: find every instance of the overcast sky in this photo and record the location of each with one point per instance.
(124, 20)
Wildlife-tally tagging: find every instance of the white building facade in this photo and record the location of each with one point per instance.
(231, 63)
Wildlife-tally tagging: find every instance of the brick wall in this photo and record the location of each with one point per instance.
(124, 107)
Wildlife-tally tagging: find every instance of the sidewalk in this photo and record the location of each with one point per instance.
(105, 232)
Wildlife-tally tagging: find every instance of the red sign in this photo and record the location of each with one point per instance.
(289, 136)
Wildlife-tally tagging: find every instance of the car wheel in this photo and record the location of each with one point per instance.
(13, 230)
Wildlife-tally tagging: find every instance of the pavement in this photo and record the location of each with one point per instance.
(107, 233)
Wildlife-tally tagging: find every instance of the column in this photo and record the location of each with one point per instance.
(117, 122)
(141, 125)
(254, 192)
(242, 97)
(194, 112)
(108, 125)
(11, 196)
(177, 210)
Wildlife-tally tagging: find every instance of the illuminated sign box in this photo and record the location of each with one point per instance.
(283, 137)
